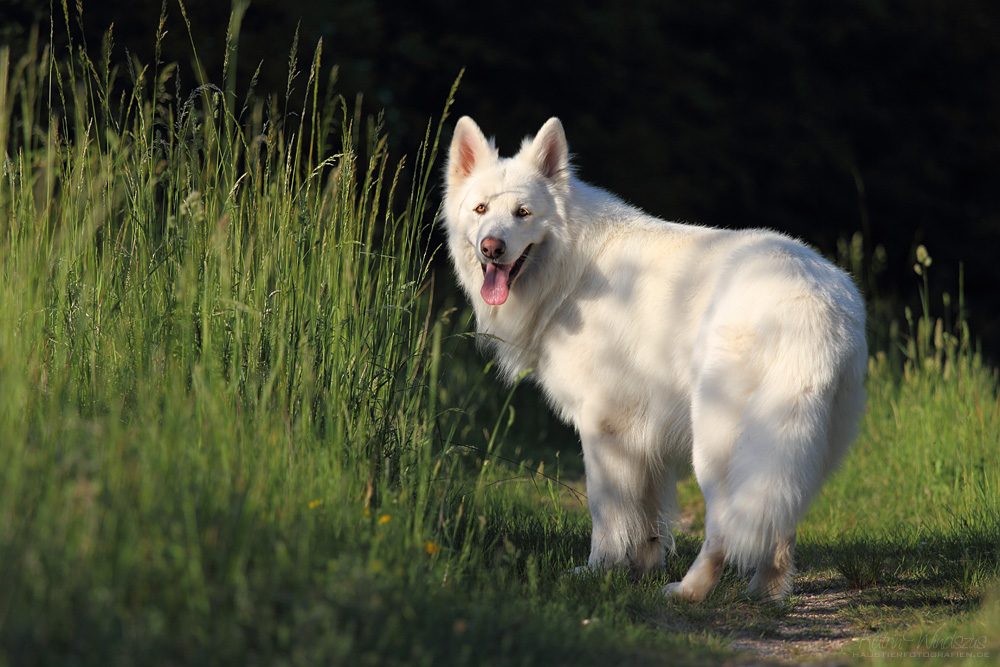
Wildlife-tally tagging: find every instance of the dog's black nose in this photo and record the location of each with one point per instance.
(492, 248)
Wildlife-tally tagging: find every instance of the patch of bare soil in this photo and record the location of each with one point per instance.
(815, 631)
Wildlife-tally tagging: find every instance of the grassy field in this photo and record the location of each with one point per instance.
(241, 421)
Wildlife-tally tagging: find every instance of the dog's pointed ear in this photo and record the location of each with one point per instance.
(550, 152)
(469, 148)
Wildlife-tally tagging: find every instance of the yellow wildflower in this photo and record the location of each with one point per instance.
(385, 518)
(432, 547)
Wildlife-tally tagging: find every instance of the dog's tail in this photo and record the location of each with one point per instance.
(794, 429)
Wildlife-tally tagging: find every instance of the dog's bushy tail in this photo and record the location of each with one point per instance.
(792, 436)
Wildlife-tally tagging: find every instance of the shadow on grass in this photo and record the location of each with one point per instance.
(287, 600)
(958, 563)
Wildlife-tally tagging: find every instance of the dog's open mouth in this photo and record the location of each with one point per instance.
(497, 279)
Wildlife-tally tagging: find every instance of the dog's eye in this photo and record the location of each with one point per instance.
(523, 212)
(481, 209)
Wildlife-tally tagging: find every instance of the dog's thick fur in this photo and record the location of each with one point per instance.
(743, 351)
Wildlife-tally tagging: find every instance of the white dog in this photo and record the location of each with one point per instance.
(743, 350)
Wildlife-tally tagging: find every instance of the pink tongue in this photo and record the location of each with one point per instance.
(494, 289)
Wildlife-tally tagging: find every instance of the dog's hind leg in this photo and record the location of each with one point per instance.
(773, 578)
(704, 573)
(716, 413)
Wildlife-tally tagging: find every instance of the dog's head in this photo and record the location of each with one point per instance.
(502, 211)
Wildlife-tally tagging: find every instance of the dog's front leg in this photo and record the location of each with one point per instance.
(616, 481)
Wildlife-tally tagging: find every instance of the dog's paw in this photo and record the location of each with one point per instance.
(676, 591)
(673, 590)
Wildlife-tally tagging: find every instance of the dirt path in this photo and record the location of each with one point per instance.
(815, 631)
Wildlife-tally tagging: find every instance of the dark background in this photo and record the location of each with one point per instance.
(819, 119)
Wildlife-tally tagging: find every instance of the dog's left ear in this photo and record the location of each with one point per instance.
(549, 151)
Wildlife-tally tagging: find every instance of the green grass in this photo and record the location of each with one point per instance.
(242, 422)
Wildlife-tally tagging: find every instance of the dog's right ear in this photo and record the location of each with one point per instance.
(469, 148)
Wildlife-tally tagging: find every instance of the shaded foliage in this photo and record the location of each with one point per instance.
(817, 119)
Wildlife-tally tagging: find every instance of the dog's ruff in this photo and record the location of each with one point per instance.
(742, 351)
